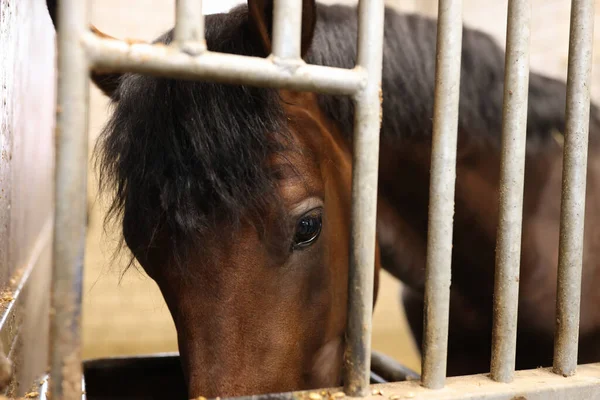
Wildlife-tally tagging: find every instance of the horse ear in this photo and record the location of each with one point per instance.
(261, 18)
(107, 83)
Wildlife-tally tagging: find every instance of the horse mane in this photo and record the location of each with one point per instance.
(179, 156)
(409, 76)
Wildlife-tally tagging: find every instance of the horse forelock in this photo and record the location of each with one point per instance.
(183, 156)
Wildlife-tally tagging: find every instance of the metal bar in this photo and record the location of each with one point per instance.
(287, 29)
(375, 378)
(390, 370)
(512, 174)
(189, 26)
(570, 255)
(365, 165)
(118, 56)
(536, 384)
(70, 201)
(527, 384)
(441, 197)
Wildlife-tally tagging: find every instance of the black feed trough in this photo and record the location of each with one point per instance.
(159, 376)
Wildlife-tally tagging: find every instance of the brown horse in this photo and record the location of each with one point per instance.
(236, 201)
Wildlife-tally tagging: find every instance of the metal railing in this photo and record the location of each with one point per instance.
(80, 51)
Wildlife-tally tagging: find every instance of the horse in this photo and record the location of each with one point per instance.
(235, 200)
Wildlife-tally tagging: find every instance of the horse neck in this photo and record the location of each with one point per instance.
(541, 226)
(404, 200)
(403, 220)
(408, 90)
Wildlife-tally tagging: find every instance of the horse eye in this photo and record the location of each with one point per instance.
(308, 229)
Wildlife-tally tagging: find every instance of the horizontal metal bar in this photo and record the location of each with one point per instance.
(536, 384)
(441, 189)
(109, 55)
(365, 167)
(572, 215)
(512, 175)
(287, 29)
(189, 26)
(391, 370)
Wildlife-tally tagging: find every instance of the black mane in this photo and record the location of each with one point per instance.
(409, 72)
(183, 155)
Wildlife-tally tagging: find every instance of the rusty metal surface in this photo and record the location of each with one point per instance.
(27, 89)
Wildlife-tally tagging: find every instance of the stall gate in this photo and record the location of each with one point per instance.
(80, 50)
(27, 97)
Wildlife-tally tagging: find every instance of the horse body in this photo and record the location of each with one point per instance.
(236, 201)
(473, 262)
(408, 90)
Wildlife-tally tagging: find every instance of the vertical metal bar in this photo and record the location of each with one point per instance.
(570, 258)
(70, 201)
(189, 25)
(365, 165)
(512, 172)
(287, 28)
(441, 193)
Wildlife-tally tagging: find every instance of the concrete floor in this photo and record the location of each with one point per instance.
(125, 314)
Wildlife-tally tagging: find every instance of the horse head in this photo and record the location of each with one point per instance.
(236, 201)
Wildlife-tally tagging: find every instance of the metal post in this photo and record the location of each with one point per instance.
(189, 26)
(365, 165)
(512, 172)
(70, 201)
(441, 197)
(287, 29)
(570, 256)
